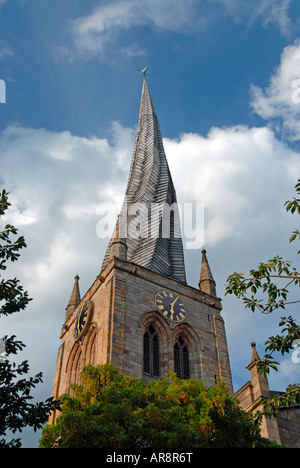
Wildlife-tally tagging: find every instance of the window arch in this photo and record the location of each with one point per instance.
(90, 345)
(181, 359)
(74, 365)
(151, 352)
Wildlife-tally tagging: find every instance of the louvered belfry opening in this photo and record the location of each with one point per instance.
(151, 353)
(181, 359)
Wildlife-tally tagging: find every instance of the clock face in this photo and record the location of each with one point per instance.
(170, 306)
(83, 319)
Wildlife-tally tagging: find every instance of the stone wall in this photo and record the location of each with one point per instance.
(288, 422)
(123, 306)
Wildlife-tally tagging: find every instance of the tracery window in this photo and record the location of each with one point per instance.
(151, 361)
(181, 359)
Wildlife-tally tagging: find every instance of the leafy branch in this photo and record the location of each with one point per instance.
(261, 279)
(266, 289)
(16, 409)
(290, 396)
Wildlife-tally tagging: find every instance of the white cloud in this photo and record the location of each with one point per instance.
(20, 217)
(289, 373)
(280, 101)
(94, 32)
(277, 12)
(263, 11)
(132, 51)
(5, 51)
(233, 171)
(57, 196)
(57, 182)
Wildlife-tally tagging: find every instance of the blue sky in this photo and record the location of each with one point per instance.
(223, 78)
(65, 74)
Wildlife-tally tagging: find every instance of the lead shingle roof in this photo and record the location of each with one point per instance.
(150, 187)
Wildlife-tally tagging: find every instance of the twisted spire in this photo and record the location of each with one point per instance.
(150, 202)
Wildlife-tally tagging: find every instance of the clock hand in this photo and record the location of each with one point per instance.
(172, 307)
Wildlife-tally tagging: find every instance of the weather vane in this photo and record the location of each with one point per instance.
(144, 72)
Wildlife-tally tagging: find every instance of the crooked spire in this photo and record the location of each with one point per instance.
(207, 283)
(151, 228)
(74, 298)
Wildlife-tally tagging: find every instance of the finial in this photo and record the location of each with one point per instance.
(207, 283)
(144, 72)
(255, 355)
(118, 246)
(74, 298)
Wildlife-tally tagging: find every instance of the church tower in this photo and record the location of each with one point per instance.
(140, 314)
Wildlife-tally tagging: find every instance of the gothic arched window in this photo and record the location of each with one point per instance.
(74, 365)
(90, 347)
(181, 359)
(151, 360)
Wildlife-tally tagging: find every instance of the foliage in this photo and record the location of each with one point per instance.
(266, 289)
(263, 279)
(13, 298)
(110, 409)
(16, 411)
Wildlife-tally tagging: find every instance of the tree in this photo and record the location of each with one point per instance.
(109, 409)
(266, 289)
(16, 410)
